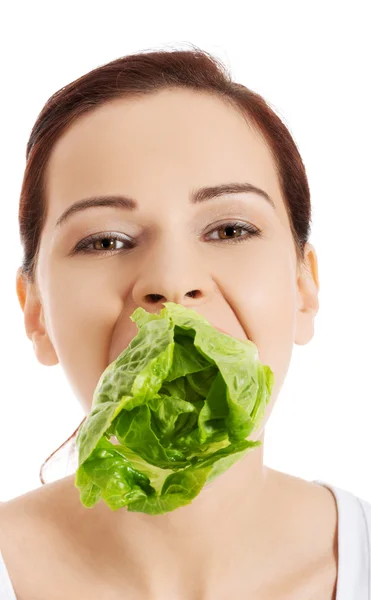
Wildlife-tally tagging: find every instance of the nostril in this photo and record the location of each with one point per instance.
(154, 297)
(193, 294)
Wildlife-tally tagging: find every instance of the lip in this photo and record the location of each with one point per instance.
(231, 334)
(221, 330)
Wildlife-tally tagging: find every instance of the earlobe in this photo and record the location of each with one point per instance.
(34, 321)
(44, 349)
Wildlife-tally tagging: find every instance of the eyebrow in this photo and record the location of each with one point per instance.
(197, 196)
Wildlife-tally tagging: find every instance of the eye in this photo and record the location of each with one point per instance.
(102, 243)
(230, 228)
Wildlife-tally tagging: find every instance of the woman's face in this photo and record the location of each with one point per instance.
(158, 150)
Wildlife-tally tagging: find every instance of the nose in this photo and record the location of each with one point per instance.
(173, 272)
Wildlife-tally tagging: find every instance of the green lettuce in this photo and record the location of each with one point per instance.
(181, 400)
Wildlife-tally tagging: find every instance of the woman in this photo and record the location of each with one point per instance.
(113, 217)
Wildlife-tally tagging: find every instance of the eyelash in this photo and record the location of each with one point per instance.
(83, 245)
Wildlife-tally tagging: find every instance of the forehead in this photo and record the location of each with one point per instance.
(168, 139)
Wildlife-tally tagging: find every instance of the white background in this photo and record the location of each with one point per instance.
(311, 62)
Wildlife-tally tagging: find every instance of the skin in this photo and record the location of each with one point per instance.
(156, 149)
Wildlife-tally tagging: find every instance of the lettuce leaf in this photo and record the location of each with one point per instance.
(181, 400)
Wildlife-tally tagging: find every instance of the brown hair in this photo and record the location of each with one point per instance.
(143, 73)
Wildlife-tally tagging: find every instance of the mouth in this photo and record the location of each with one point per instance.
(242, 338)
(222, 330)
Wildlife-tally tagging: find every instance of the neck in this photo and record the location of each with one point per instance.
(226, 529)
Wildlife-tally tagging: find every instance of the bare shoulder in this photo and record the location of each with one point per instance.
(313, 515)
(37, 540)
(36, 512)
(19, 517)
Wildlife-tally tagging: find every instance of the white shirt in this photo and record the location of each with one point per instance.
(354, 543)
(354, 556)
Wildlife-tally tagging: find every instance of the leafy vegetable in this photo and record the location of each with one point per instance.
(181, 400)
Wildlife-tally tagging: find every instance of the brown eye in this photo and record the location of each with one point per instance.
(102, 243)
(233, 232)
(230, 231)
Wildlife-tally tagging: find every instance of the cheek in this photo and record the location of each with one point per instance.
(263, 296)
(80, 322)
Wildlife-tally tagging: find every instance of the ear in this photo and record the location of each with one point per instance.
(34, 321)
(307, 294)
